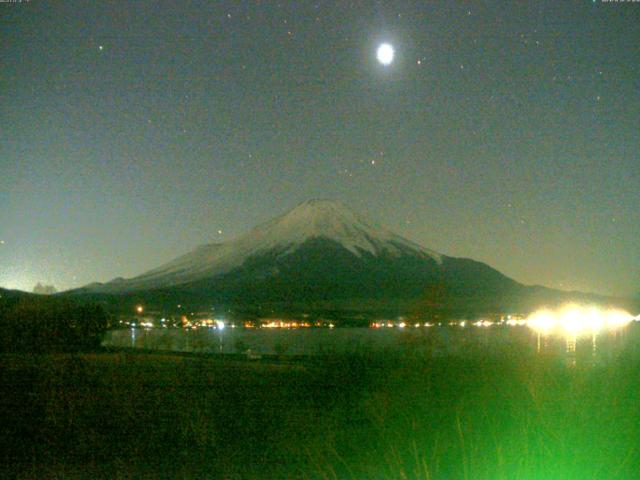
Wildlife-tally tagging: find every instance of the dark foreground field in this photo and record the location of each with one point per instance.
(512, 415)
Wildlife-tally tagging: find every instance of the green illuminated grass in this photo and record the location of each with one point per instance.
(508, 415)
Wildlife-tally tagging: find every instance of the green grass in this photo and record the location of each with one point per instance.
(508, 415)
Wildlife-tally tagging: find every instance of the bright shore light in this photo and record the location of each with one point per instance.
(542, 321)
(483, 323)
(578, 320)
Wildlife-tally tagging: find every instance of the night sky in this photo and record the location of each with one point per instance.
(508, 132)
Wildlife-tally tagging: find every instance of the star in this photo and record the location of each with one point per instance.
(101, 47)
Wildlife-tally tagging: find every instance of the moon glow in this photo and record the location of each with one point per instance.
(385, 54)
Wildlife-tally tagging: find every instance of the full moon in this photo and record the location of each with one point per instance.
(385, 54)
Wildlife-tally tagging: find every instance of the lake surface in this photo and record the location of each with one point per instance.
(436, 340)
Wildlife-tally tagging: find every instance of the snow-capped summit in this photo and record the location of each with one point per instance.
(313, 219)
(333, 221)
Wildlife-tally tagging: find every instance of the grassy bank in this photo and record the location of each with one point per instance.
(511, 415)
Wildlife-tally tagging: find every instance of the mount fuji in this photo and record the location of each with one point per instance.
(317, 221)
(323, 255)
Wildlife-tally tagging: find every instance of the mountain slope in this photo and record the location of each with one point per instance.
(6, 294)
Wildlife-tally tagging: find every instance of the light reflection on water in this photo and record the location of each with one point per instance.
(434, 341)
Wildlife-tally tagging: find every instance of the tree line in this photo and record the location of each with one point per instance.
(50, 324)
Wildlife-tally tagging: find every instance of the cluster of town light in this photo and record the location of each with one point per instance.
(578, 320)
(272, 323)
(509, 320)
(571, 319)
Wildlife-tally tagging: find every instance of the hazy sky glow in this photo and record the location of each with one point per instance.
(502, 131)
